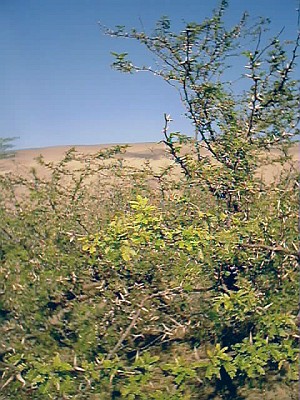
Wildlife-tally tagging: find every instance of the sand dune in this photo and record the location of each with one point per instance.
(135, 155)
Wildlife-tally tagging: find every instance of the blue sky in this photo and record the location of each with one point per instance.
(56, 84)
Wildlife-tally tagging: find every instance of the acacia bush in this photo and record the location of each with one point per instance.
(159, 299)
(125, 283)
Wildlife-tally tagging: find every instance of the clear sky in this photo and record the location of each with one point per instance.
(56, 84)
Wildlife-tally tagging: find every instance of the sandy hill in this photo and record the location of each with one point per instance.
(135, 155)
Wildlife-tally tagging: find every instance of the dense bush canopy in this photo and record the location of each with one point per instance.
(125, 283)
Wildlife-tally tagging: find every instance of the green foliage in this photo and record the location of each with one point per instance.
(118, 282)
(233, 126)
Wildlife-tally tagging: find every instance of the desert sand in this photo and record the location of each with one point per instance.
(136, 155)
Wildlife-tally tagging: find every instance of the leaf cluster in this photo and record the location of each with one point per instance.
(118, 282)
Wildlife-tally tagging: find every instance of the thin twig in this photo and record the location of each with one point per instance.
(135, 318)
